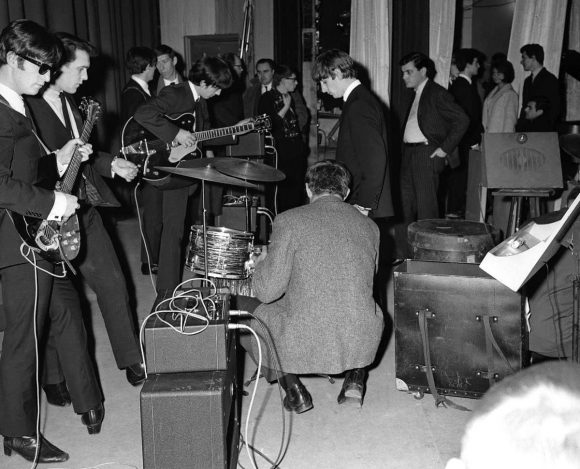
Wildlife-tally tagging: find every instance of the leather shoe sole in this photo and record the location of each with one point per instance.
(26, 446)
(298, 399)
(93, 419)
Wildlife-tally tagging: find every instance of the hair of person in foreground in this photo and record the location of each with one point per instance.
(529, 420)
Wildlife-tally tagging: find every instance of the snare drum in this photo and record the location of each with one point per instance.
(227, 250)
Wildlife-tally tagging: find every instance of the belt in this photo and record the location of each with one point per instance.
(415, 144)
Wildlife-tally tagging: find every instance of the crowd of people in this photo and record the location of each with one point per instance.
(320, 285)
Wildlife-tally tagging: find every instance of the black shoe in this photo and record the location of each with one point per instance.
(147, 269)
(57, 394)
(26, 447)
(135, 374)
(353, 387)
(93, 419)
(297, 399)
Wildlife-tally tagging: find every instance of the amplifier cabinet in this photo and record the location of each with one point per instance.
(190, 420)
(168, 351)
(470, 325)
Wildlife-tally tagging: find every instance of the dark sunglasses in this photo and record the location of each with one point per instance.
(42, 67)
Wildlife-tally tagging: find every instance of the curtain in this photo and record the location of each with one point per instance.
(572, 84)
(441, 31)
(537, 22)
(370, 39)
(113, 26)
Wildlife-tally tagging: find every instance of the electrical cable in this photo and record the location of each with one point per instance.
(142, 233)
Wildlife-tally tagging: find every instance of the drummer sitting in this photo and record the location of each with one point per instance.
(315, 283)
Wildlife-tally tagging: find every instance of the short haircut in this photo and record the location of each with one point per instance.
(420, 61)
(270, 62)
(282, 71)
(506, 68)
(534, 50)
(73, 43)
(163, 49)
(329, 62)
(463, 57)
(530, 419)
(328, 177)
(211, 70)
(138, 58)
(542, 103)
(28, 38)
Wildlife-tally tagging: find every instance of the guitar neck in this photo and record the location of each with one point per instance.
(223, 132)
(72, 171)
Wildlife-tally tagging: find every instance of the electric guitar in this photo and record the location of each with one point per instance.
(147, 152)
(60, 241)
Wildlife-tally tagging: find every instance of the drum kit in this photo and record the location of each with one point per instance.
(223, 253)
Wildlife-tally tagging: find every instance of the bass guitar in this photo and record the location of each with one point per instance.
(60, 241)
(147, 152)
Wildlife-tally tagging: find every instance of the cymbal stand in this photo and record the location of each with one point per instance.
(204, 222)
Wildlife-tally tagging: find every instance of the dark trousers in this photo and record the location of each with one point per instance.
(24, 306)
(100, 268)
(456, 184)
(419, 186)
(164, 214)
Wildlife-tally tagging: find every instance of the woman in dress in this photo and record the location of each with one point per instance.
(290, 148)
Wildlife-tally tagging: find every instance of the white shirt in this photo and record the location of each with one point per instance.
(169, 82)
(466, 77)
(142, 83)
(413, 133)
(267, 87)
(349, 89)
(17, 103)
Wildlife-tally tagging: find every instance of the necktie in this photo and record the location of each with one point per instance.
(264, 88)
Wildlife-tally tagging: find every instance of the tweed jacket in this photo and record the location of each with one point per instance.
(316, 284)
(362, 147)
(441, 120)
(54, 134)
(500, 110)
(20, 153)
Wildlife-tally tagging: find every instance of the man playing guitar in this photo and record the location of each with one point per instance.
(207, 77)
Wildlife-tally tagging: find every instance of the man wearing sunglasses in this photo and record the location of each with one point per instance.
(27, 55)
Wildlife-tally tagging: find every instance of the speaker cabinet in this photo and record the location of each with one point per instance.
(191, 420)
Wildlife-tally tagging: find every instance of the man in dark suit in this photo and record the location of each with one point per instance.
(540, 82)
(57, 118)
(434, 127)
(140, 61)
(27, 55)
(323, 323)
(207, 77)
(536, 116)
(362, 147)
(464, 90)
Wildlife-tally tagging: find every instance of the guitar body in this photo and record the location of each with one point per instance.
(52, 241)
(136, 143)
(146, 151)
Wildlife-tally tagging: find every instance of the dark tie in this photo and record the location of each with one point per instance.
(67, 121)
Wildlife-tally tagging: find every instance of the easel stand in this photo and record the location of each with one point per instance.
(518, 198)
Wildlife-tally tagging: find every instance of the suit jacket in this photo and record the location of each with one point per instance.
(132, 97)
(316, 283)
(172, 101)
(545, 84)
(467, 97)
(362, 147)
(20, 154)
(500, 110)
(441, 120)
(54, 135)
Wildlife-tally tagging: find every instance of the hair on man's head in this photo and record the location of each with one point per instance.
(138, 58)
(534, 50)
(331, 61)
(283, 71)
(25, 37)
(73, 43)
(163, 49)
(420, 61)
(328, 177)
(211, 70)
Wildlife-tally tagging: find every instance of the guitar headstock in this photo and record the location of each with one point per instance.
(91, 108)
(262, 123)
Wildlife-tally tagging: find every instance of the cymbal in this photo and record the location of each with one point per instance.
(571, 144)
(207, 173)
(202, 162)
(244, 169)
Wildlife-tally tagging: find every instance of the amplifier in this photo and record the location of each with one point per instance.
(200, 347)
(191, 420)
(251, 144)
